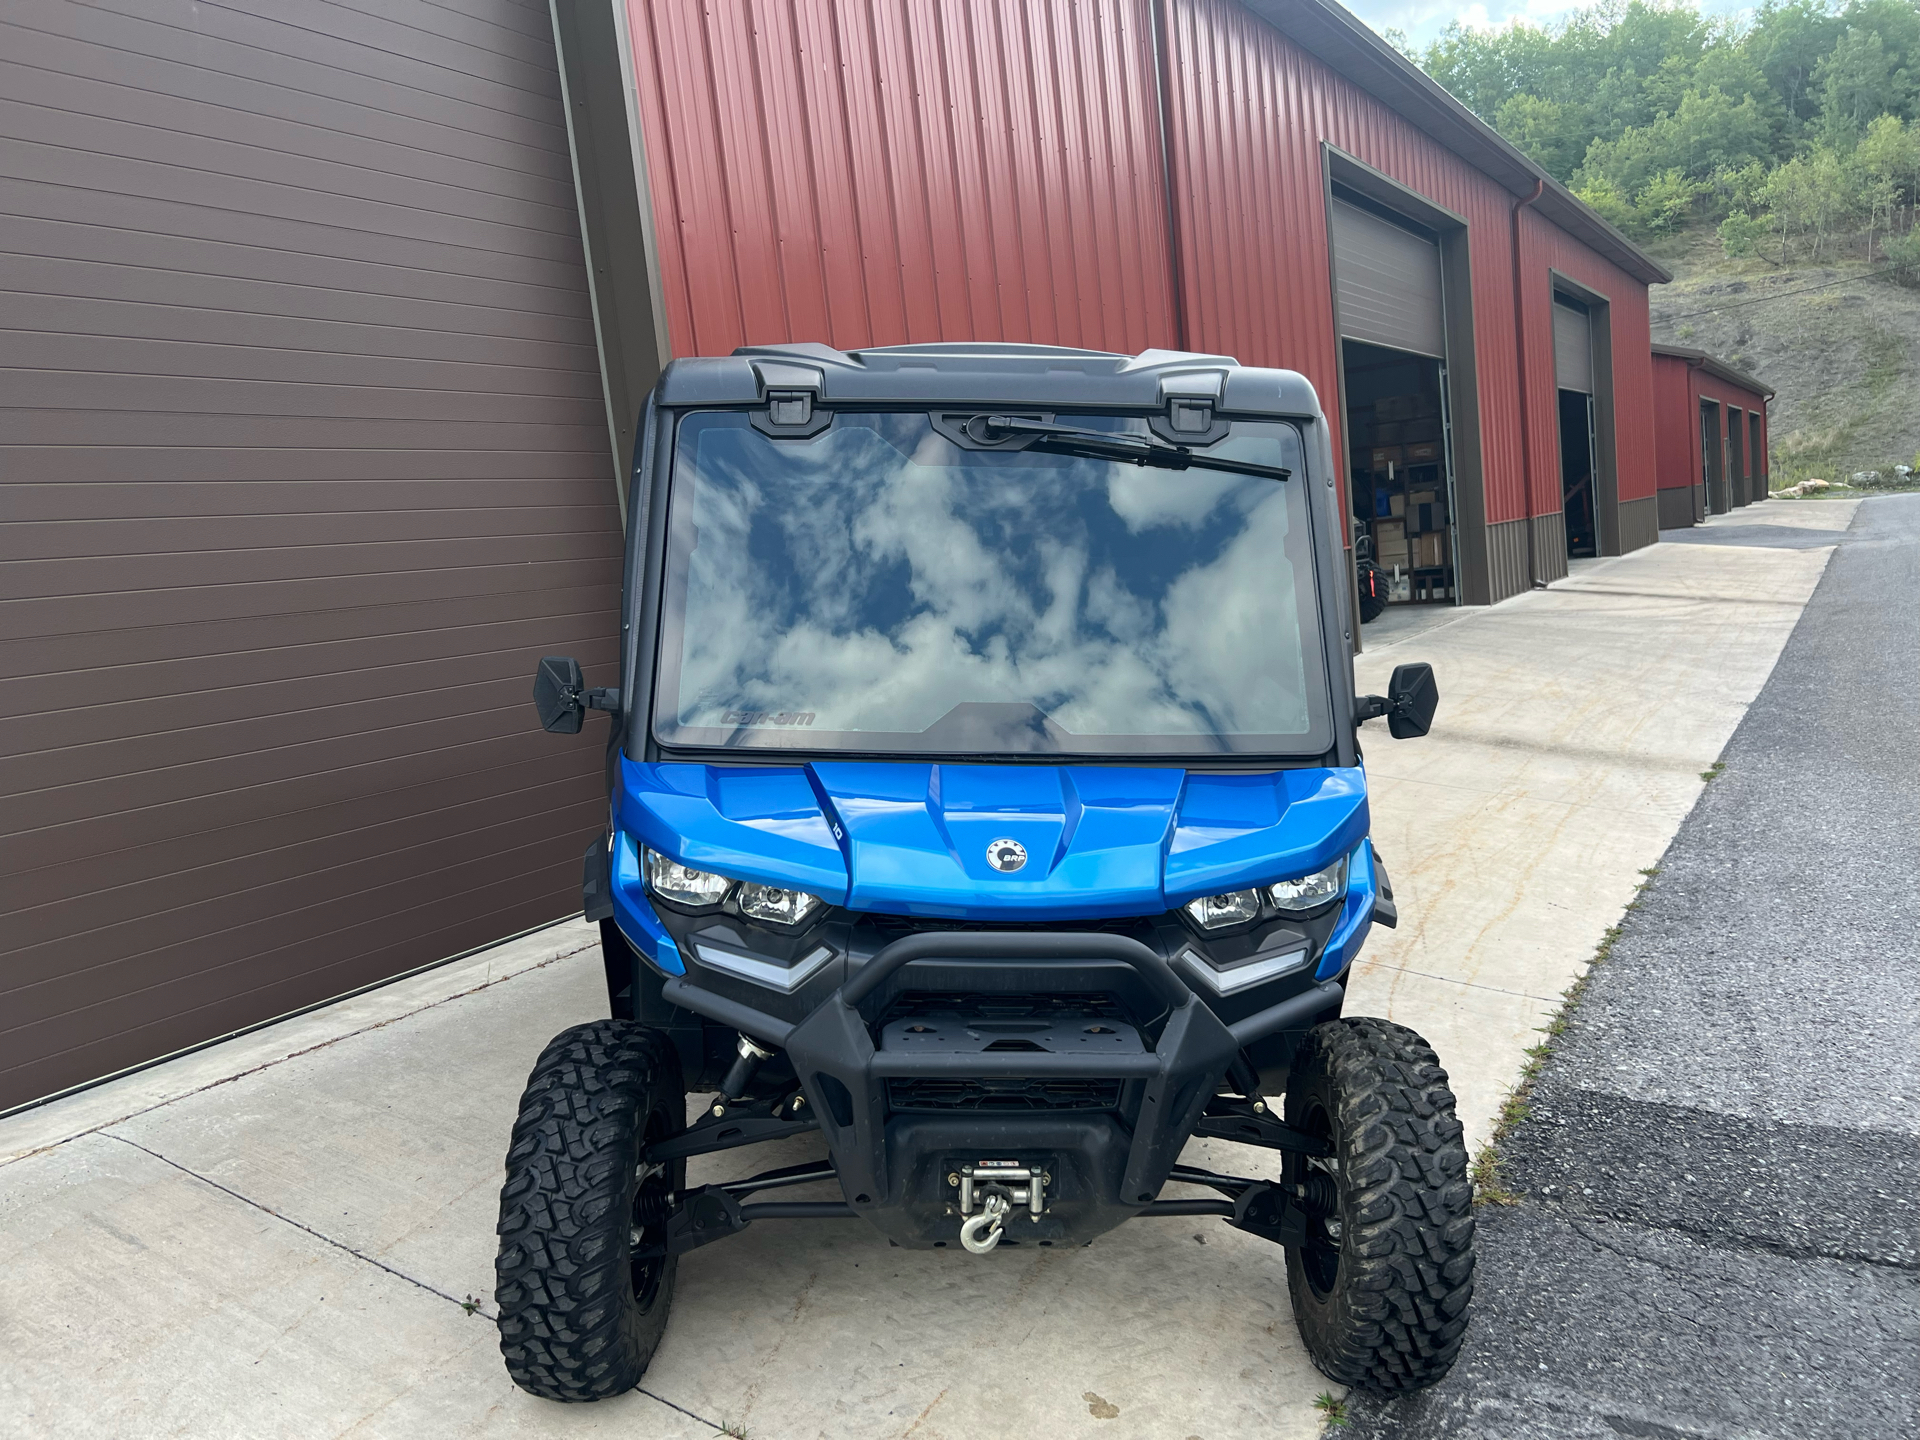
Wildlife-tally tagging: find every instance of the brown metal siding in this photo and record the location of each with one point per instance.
(305, 462)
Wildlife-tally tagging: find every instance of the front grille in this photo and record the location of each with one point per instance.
(1003, 1094)
(895, 926)
(988, 1005)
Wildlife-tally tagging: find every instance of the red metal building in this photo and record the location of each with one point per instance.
(1710, 428)
(1266, 179)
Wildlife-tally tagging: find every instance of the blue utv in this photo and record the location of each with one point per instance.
(986, 795)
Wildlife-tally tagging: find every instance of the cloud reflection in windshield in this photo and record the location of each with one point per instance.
(877, 577)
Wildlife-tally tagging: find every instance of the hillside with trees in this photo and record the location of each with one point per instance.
(1773, 162)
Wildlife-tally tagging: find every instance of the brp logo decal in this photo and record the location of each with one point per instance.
(1006, 855)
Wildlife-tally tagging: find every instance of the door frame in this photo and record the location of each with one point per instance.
(1460, 399)
(1606, 451)
(1712, 455)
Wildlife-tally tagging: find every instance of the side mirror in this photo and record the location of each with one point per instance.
(556, 694)
(1411, 698)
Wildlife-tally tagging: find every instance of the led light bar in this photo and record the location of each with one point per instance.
(764, 972)
(1256, 971)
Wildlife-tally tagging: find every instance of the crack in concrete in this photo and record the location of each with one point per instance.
(367, 1029)
(476, 1308)
(1469, 984)
(690, 1414)
(490, 1316)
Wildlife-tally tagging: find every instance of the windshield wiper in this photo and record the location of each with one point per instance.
(1137, 449)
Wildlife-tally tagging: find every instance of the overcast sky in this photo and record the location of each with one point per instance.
(1423, 20)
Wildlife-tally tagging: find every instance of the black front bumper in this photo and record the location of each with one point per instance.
(1106, 1166)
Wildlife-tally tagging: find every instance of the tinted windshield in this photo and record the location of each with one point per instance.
(879, 588)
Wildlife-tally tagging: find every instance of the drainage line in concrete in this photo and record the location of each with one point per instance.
(308, 1229)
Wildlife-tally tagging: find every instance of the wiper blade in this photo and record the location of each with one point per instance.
(1138, 449)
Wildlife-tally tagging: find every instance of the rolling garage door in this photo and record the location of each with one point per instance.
(306, 463)
(1572, 348)
(1389, 283)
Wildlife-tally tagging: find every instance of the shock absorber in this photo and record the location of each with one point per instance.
(747, 1059)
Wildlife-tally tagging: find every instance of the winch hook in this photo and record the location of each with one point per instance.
(993, 1212)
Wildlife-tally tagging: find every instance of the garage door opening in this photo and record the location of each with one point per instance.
(1713, 480)
(1576, 474)
(1396, 429)
(1392, 313)
(1573, 371)
(1736, 467)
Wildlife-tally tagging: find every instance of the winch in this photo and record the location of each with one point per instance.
(990, 1191)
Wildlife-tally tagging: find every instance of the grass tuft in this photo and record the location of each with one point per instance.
(1333, 1410)
(1714, 771)
(1489, 1186)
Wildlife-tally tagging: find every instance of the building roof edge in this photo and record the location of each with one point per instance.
(1715, 366)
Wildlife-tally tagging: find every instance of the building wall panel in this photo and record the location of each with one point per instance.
(870, 172)
(1676, 424)
(305, 463)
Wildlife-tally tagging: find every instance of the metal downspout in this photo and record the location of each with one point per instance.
(1699, 446)
(1520, 346)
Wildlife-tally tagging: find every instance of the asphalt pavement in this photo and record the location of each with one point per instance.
(1719, 1234)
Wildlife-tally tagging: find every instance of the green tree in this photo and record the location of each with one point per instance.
(1787, 41)
(1885, 166)
(1603, 197)
(1741, 234)
(1644, 36)
(1707, 134)
(1711, 132)
(1904, 253)
(1667, 202)
(1858, 80)
(1896, 22)
(1553, 134)
(1483, 71)
(1731, 70)
(1809, 196)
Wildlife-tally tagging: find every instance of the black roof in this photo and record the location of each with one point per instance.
(984, 373)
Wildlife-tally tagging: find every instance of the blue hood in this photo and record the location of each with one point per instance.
(910, 838)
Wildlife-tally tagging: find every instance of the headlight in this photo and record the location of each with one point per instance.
(1211, 912)
(776, 906)
(674, 881)
(1310, 892)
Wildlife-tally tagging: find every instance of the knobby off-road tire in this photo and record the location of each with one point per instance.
(1380, 1290)
(579, 1316)
(1372, 583)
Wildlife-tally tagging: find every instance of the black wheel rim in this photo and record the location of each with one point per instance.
(652, 1201)
(1320, 1256)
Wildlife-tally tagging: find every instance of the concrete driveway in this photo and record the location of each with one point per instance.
(292, 1233)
